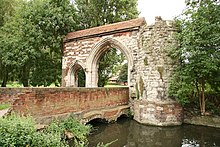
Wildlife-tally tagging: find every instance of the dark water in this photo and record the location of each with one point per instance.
(129, 133)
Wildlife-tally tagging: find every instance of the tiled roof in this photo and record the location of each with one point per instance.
(115, 27)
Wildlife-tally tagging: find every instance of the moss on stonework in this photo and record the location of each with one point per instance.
(160, 69)
(141, 85)
(145, 61)
(137, 91)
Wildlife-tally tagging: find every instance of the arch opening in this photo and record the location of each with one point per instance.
(97, 121)
(123, 117)
(111, 65)
(77, 76)
(107, 45)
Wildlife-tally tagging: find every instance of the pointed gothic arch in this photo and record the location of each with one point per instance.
(72, 73)
(97, 50)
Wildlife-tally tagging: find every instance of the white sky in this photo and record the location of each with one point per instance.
(167, 9)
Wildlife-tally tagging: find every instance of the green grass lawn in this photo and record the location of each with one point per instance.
(14, 84)
(17, 84)
(115, 86)
(4, 106)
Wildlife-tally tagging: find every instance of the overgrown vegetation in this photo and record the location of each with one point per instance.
(21, 131)
(196, 80)
(31, 40)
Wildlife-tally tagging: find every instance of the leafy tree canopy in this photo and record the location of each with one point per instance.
(31, 42)
(198, 51)
(123, 74)
(94, 13)
(107, 65)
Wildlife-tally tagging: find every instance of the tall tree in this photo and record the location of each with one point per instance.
(108, 61)
(198, 52)
(32, 40)
(94, 13)
(7, 10)
(123, 74)
(51, 20)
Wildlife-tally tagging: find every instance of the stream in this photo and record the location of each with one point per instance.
(128, 133)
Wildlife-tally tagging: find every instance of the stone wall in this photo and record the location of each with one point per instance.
(85, 47)
(154, 66)
(49, 102)
(150, 102)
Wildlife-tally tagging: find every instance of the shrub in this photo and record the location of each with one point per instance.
(21, 131)
(78, 130)
(16, 131)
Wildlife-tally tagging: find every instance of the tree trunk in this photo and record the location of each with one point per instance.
(5, 78)
(25, 76)
(199, 96)
(203, 96)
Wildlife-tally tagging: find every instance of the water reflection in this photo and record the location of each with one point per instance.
(132, 134)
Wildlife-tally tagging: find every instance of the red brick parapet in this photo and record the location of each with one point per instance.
(48, 102)
(106, 29)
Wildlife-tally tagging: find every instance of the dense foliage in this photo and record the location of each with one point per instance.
(123, 74)
(94, 13)
(21, 131)
(108, 65)
(81, 78)
(198, 54)
(31, 41)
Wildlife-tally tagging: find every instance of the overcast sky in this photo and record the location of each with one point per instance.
(167, 9)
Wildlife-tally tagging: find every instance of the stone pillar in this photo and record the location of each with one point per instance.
(88, 78)
(92, 77)
(95, 77)
(63, 82)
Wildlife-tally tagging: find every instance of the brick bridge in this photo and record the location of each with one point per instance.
(86, 104)
(146, 48)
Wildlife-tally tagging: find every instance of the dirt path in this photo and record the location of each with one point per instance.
(3, 112)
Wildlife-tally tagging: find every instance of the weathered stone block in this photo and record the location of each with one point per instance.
(157, 113)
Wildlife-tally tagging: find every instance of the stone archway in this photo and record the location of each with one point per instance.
(97, 51)
(149, 65)
(72, 73)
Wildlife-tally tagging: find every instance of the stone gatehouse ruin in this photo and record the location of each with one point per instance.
(149, 66)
